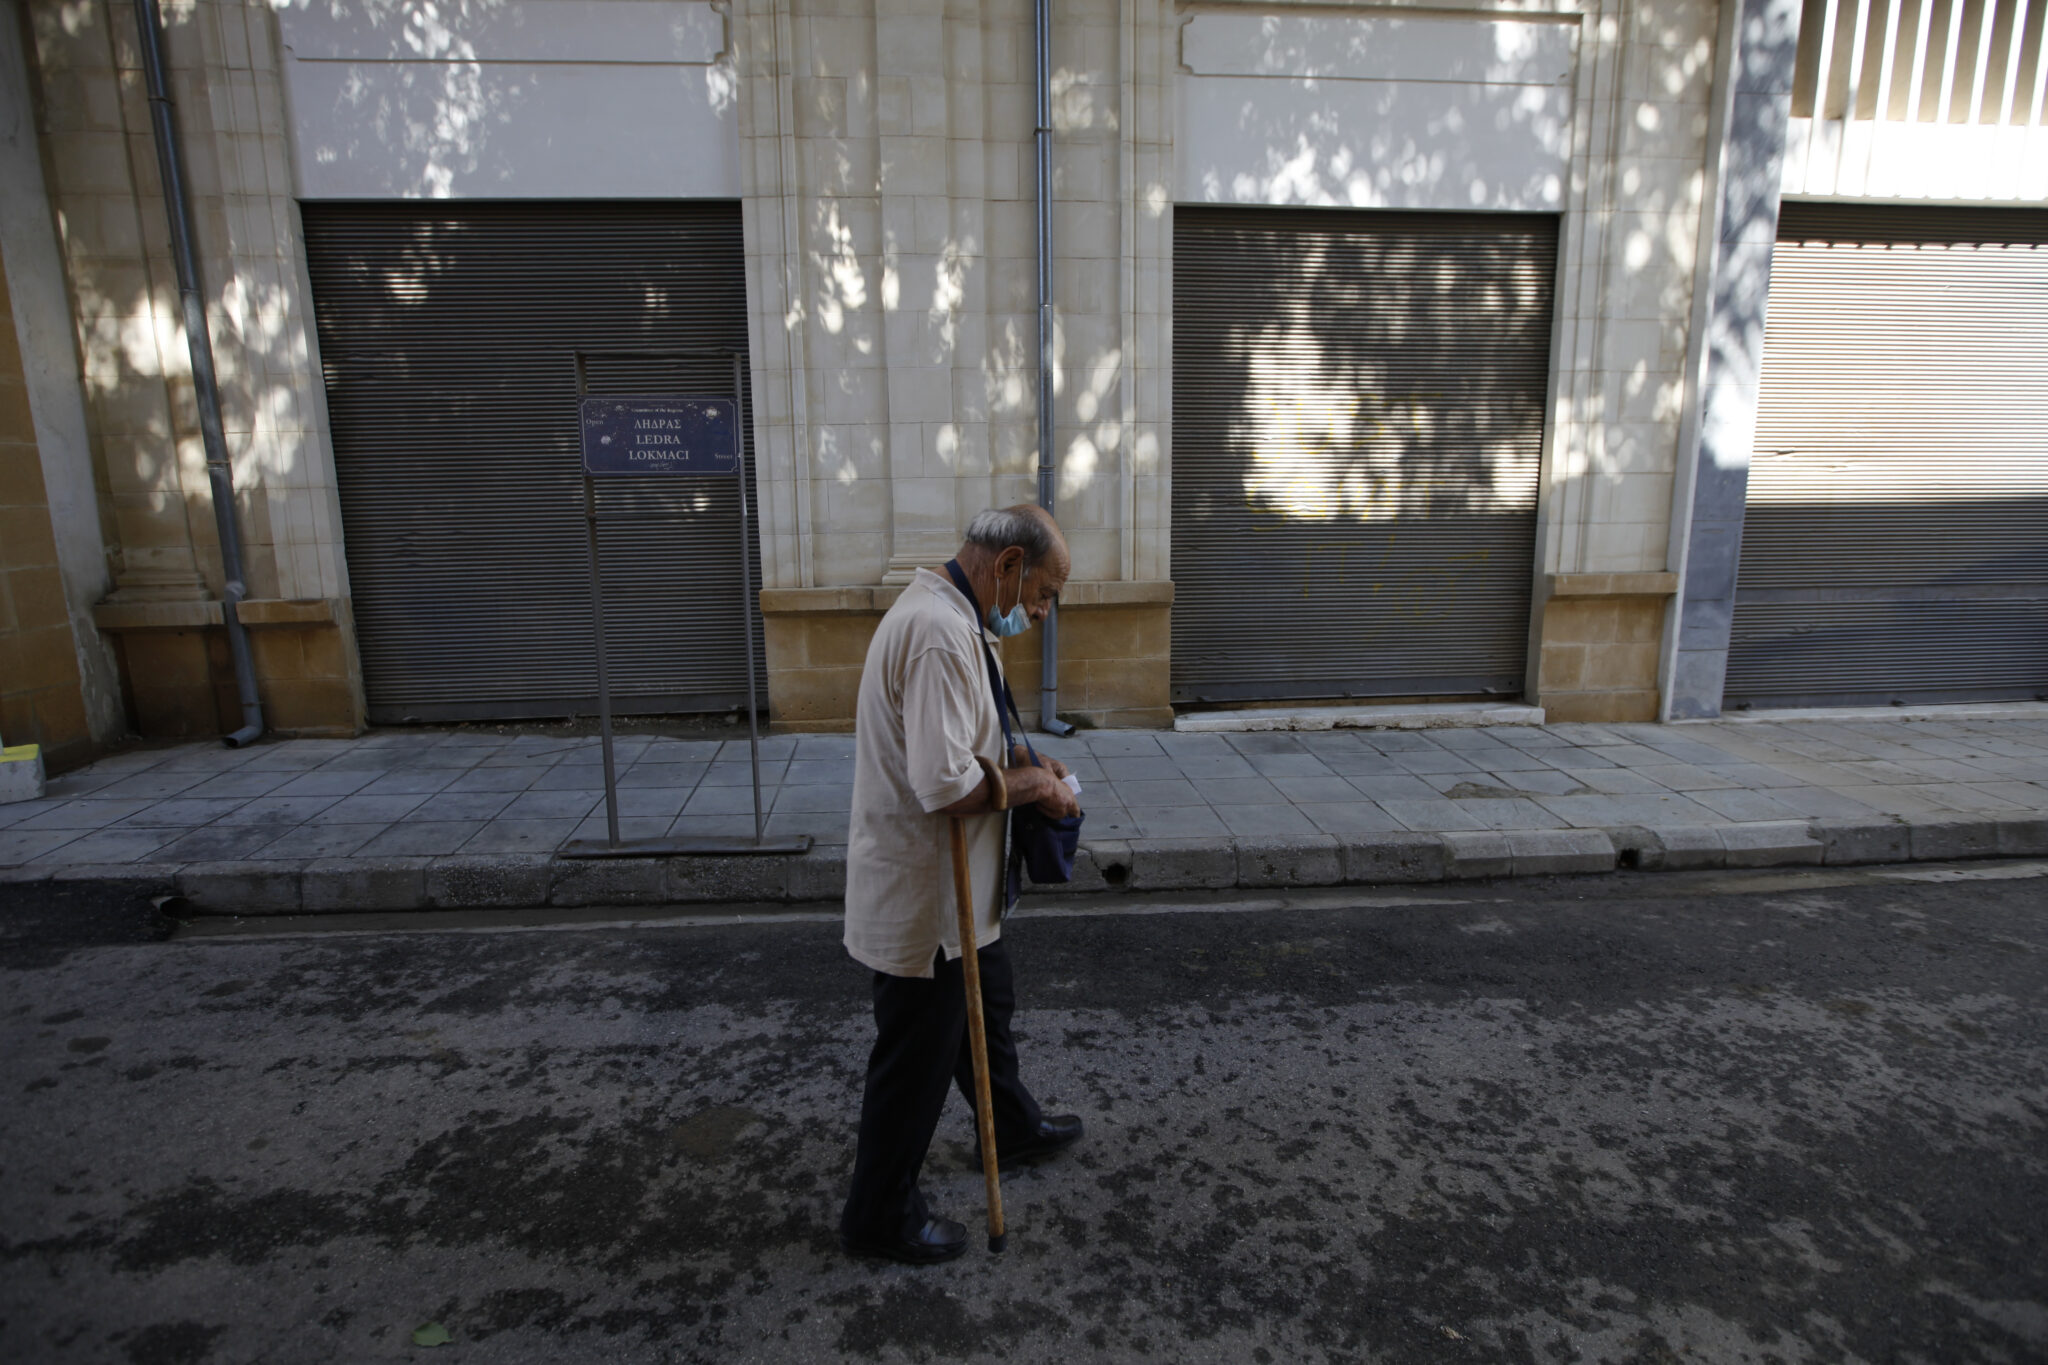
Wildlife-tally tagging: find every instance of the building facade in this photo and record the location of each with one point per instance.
(1634, 358)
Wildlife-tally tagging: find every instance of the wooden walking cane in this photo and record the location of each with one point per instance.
(977, 1036)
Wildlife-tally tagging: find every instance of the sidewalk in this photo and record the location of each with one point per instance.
(403, 819)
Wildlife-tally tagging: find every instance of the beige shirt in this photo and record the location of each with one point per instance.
(925, 711)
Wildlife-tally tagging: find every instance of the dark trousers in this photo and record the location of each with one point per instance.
(921, 1049)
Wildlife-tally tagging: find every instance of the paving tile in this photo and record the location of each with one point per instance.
(695, 750)
(630, 827)
(283, 761)
(1402, 788)
(1892, 799)
(320, 782)
(1968, 797)
(1744, 805)
(1753, 776)
(373, 810)
(420, 839)
(319, 840)
(1494, 813)
(1361, 760)
(1120, 743)
(1168, 792)
(20, 846)
(778, 747)
(1178, 822)
(1685, 777)
(454, 805)
(727, 800)
(1546, 781)
(663, 776)
(825, 827)
(1081, 766)
(1201, 767)
(1276, 820)
(1576, 760)
(440, 758)
(1821, 803)
(825, 748)
(712, 826)
(1141, 768)
(571, 777)
(1947, 770)
(792, 799)
(109, 846)
(514, 779)
(551, 805)
(520, 836)
(1109, 822)
(1423, 761)
(647, 803)
(1401, 742)
(182, 812)
(1621, 781)
(1284, 764)
(220, 843)
(1350, 817)
(1241, 791)
(818, 772)
(277, 810)
(1601, 812)
(1266, 742)
(1475, 786)
(1331, 788)
(1524, 737)
(741, 774)
(1630, 755)
(72, 785)
(150, 785)
(85, 814)
(1434, 814)
(411, 781)
(1506, 759)
(244, 784)
(1195, 745)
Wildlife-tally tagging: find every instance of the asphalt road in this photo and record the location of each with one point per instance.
(1766, 1117)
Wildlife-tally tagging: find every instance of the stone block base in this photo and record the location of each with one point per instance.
(1115, 641)
(1598, 647)
(178, 677)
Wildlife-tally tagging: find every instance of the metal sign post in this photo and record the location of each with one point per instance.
(672, 435)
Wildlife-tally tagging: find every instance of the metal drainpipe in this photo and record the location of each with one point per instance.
(219, 473)
(1049, 675)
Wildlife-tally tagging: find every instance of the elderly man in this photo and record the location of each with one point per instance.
(928, 745)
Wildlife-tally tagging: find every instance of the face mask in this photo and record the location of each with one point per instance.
(1015, 622)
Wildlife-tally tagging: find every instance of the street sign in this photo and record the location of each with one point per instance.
(659, 436)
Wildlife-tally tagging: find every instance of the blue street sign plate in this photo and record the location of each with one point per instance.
(659, 436)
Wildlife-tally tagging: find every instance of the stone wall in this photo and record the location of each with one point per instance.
(142, 417)
(42, 697)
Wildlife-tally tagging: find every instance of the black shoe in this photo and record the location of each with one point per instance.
(940, 1239)
(1052, 1135)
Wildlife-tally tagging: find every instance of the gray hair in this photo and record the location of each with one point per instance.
(998, 528)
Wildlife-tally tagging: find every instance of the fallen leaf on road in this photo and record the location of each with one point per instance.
(432, 1334)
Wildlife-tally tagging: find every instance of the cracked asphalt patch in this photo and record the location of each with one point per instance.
(1628, 1118)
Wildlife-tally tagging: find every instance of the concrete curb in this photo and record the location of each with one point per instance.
(530, 880)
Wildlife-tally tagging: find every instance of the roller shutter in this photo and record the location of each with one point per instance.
(1895, 541)
(446, 338)
(1358, 411)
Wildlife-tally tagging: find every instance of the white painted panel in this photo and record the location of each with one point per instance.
(1372, 144)
(1486, 50)
(1868, 159)
(400, 130)
(514, 30)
